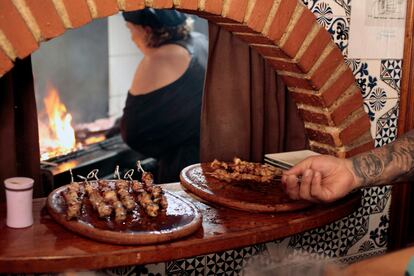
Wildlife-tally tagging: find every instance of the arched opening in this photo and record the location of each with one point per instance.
(284, 32)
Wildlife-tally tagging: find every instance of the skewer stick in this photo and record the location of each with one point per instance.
(85, 179)
(129, 174)
(116, 174)
(139, 167)
(71, 176)
(93, 174)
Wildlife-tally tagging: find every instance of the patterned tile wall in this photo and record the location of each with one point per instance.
(361, 234)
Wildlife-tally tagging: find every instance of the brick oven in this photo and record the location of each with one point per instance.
(284, 32)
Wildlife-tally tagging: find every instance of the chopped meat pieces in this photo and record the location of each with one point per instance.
(240, 170)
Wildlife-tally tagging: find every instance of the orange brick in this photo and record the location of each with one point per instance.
(327, 68)
(16, 30)
(213, 6)
(352, 104)
(297, 82)
(337, 88)
(360, 149)
(254, 38)
(133, 5)
(162, 4)
(299, 33)
(78, 12)
(46, 17)
(320, 137)
(189, 4)
(355, 130)
(314, 50)
(259, 15)
(281, 19)
(235, 27)
(269, 51)
(219, 19)
(312, 117)
(237, 10)
(5, 63)
(323, 150)
(106, 7)
(284, 66)
(308, 99)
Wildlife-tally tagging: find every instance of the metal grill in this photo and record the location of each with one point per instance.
(105, 156)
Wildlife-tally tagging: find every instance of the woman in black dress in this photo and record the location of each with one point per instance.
(161, 117)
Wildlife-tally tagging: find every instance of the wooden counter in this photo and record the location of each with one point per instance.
(48, 247)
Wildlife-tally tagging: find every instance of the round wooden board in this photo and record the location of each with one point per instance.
(242, 195)
(180, 219)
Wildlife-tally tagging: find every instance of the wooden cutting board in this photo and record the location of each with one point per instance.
(180, 219)
(243, 195)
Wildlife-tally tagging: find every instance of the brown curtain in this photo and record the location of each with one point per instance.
(246, 111)
(19, 146)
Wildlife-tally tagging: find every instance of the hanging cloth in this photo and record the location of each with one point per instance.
(19, 142)
(246, 109)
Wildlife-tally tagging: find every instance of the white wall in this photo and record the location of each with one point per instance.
(123, 59)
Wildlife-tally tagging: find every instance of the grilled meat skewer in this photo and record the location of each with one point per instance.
(73, 201)
(97, 201)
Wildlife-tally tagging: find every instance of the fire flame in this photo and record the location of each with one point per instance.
(58, 136)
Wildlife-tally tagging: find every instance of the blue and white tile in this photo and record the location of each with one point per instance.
(132, 270)
(331, 16)
(359, 256)
(331, 7)
(387, 124)
(391, 72)
(325, 241)
(339, 31)
(190, 266)
(353, 229)
(383, 114)
(368, 76)
(229, 262)
(364, 230)
(379, 200)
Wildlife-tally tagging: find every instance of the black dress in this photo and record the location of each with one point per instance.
(165, 123)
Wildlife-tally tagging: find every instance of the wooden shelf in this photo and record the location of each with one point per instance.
(48, 247)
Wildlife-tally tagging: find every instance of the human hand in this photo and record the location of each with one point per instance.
(323, 178)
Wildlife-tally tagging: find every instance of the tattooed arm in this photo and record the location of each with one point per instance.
(326, 178)
(391, 163)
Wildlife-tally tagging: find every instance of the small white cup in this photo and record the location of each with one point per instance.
(19, 195)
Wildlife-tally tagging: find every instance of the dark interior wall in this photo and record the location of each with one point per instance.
(76, 63)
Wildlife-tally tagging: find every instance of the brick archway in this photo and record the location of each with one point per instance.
(284, 32)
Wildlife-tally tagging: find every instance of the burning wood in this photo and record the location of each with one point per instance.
(56, 134)
(58, 137)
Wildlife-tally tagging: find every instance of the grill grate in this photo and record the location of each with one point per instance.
(105, 156)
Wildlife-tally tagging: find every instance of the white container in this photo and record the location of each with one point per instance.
(19, 194)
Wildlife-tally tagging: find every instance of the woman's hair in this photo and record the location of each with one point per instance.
(162, 35)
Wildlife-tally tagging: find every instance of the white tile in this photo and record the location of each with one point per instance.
(121, 72)
(369, 79)
(338, 28)
(119, 37)
(383, 114)
(329, 7)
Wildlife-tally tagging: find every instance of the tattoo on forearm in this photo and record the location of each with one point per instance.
(367, 167)
(391, 163)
